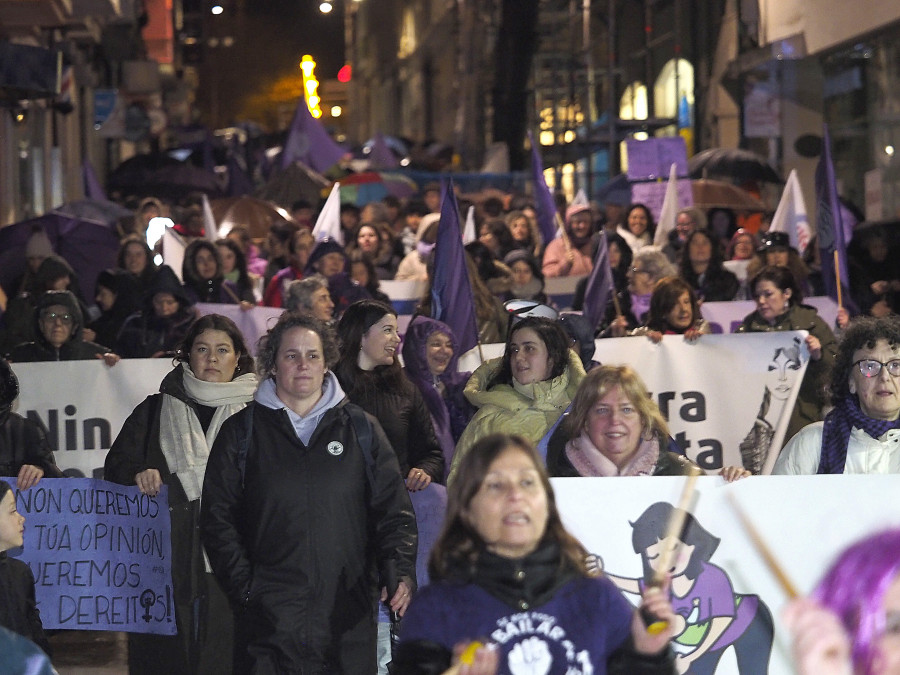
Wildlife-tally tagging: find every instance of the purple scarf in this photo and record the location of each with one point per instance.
(836, 434)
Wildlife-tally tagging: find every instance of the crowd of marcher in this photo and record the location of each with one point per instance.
(305, 460)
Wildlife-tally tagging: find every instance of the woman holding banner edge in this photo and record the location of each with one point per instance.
(166, 440)
(779, 307)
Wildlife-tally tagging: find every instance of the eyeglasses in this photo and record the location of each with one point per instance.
(50, 317)
(872, 368)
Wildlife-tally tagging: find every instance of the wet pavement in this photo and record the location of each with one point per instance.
(86, 652)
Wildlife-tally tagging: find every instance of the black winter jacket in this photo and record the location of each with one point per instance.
(18, 608)
(25, 442)
(404, 416)
(297, 537)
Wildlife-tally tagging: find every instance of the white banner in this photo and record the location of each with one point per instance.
(805, 520)
(712, 390)
(83, 405)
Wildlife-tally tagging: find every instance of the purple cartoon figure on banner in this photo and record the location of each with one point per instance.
(710, 617)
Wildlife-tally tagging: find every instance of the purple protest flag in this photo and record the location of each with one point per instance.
(380, 155)
(452, 300)
(599, 286)
(543, 198)
(239, 183)
(308, 142)
(92, 189)
(829, 227)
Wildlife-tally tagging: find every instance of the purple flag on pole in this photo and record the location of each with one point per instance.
(543, 198)
(92, 189)
(308, 142)
(452, 300)
(239, 182)
(380, 155)
(599, 285)
(829, 227)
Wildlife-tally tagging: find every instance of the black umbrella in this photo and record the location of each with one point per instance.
(734, 164)
(162, 176)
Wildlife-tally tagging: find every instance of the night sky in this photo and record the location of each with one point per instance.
(276, 34)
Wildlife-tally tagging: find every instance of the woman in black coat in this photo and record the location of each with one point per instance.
(166, 441)
(370, 373)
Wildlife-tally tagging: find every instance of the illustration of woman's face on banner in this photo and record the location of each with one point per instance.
(783, 370)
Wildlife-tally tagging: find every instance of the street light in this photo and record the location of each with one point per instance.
(326, 7)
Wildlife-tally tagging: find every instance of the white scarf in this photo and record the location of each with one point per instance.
(589, 461)
(181, 438)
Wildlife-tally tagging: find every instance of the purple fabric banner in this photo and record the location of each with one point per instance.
(543, 198)
(92, 187)
(829, 228)
(309, 143)
(599, 285)
(101, 555)
(451, 291)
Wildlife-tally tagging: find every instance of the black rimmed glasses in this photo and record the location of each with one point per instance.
(872, 368)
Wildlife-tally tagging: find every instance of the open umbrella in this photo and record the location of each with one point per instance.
(712, 194)
(733, 164)
(98, 210)
(162, 176)
(296, 182)
(256, 215)
(88, 246)
(372, 186)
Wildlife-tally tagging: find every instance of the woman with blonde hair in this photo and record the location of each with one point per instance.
(614, 428)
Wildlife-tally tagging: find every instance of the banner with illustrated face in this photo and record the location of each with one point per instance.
(727, 398)
(100, 554)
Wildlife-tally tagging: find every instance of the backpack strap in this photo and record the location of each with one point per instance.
(363, 429)
(245, 439)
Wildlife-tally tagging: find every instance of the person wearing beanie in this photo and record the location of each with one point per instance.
(570, 255)
(163, 322)
(58, 327)
(527, 277)
(24, 449)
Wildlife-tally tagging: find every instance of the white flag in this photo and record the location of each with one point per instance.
(668, 214)
(328, 224)
(210, 229)
(469, 235)
(791, 216)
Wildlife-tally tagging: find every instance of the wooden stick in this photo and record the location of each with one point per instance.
(673, 531)
(768, 557)
(837, 279)
(616, 305)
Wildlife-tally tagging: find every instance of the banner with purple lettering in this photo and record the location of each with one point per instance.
(100, 554)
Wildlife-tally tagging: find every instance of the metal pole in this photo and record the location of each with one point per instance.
(612, 110)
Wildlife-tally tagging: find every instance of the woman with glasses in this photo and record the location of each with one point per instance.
(648, 266)
(862, 432)
(779, 306)
(58, 325)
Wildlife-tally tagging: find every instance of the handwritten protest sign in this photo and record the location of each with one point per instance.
(100, 554)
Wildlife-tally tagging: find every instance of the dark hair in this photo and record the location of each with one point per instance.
(499, 229)
(666, 294)
(240, 262)
(862, 333)
(357, 319)
(269, 344)
(783, 280)
(456, 551)
(686, 268)
(651, 224)
(4, 488)
(651, 526)
(283, 231)
(227, 326)
(142, 243)
(551, 334)
(357, 256)
(9, 385)
(416, 206)
(189, 265)
(300, 204)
